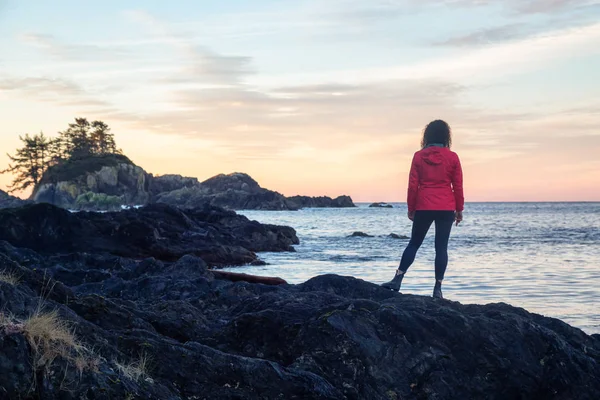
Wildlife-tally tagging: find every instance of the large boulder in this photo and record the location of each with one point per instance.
(97, 182)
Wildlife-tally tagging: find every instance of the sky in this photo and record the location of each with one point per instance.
(318, 97)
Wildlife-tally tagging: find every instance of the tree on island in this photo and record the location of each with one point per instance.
(29, 162)
(80, 140)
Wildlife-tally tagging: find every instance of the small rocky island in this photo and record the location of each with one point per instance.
(124, 305)
(381, 205)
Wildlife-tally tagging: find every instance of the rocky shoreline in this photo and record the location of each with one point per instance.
(125, 306)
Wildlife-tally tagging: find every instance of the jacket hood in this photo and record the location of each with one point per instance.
(434, 155)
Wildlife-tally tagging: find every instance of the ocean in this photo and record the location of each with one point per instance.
(544, 257)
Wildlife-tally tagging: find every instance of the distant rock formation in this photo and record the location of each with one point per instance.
(360, 234)
(108, 182)
(321, 201)
(381, 205)
(168, 183)
(103, 182)
(8, 201)
(238, 191)
(396, 236)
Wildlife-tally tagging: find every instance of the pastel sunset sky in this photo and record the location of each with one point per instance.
(318, 97)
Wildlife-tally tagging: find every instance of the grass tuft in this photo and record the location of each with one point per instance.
(136, 370)
(49, 337)
(9, 277)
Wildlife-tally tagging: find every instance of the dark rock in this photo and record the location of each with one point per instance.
(8, 201)
(235, 191)
(238, 191)
(360, 234)
(321, 202)
(331, 337)
(220, 237)
(381, 205)
(237, 277)
(395, 236)
(168, 183)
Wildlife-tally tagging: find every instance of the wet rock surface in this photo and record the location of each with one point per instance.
(205, 337)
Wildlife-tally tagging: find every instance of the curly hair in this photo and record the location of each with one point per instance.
(437, 131)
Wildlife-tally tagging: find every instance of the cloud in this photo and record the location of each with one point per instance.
(201, 65)
(486, 36)
(549, 6)
(51, 90)
(204, 66)
(73, 52)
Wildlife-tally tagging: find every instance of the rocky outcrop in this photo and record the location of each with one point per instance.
(169, 183)
(381, 205)
(321, 202)
(360, 234)
(109, 182)
(220, 237)
(8, 201)
(148, 329)
(238, 191)
(396, 236)
(104, 182)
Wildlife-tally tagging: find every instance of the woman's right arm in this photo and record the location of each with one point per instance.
(457, 187)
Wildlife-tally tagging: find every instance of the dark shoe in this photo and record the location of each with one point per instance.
(437, 290)
(395, 283)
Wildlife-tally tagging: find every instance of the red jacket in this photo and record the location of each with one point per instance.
(436, 181)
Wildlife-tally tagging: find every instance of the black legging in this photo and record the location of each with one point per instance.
(421, 224)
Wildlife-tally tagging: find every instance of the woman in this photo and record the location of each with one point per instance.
(435, 194)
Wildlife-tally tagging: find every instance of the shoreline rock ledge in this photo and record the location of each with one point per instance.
(124, 306)
(220, 237)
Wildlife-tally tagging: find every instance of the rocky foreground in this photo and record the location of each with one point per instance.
(102, 322)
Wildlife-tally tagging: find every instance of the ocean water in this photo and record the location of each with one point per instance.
(544, 257)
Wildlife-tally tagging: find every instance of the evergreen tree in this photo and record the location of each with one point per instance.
(81, 139)
(77, 139)
(102, 139)
(29, 162)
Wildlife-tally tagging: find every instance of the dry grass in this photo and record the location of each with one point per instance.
(136, 370)
(9, 277)
(50, 337)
